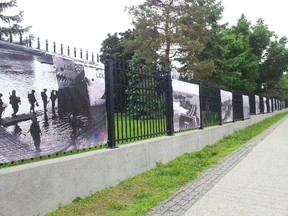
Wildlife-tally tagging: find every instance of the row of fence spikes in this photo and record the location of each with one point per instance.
(29, 43)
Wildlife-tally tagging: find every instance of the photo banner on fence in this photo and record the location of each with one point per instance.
(270, 105)
(226, 106)
(52, 104)
(264, 104)
(186, 105)
(246, 107)
(257, 104)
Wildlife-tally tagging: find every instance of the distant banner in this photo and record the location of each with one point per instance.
(257, 104)
(246, 107)
(52, 104)
(226, 106)
(270, 105)
(264, 104)
(186, 105)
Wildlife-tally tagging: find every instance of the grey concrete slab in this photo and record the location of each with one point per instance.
(256, 186)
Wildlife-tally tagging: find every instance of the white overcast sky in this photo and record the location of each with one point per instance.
(86, 23)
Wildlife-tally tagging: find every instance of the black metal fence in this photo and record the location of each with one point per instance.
(210, 105)
(252, 104)
(140, 105)
(238, 106)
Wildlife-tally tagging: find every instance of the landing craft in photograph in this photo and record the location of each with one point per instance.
(186, 105)
(226, 106)
(69, 107)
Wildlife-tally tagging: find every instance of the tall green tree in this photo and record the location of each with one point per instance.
(11, 23)
(237, 66)
(112, 47)
(168, 30)
(260, 38)
(281, 88)
(275, 63)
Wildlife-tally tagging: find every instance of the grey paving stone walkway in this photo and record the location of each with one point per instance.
(250, 181)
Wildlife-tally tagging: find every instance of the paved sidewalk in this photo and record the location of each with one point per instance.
(251, 181)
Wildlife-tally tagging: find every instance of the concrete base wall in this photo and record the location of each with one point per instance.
(38, 188)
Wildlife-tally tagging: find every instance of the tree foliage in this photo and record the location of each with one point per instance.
(112, 46)
(237, 52)
(275, 63)
(188, 32)
(281, 88)
(11, 23)
(169, 30)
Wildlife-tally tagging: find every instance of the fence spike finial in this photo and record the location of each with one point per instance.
(46, 44)
(38, 43)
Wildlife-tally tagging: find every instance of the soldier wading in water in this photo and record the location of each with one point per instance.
(35, 132)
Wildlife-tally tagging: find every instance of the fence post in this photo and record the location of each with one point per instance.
(169, 106)
(220, 107)
(46, 44)
(21, 39)
(38, 43)
(54, 47)
(68, 50)
(200, 105)
(110, 106)
(233, 105)
(30, 41)
(10, 36)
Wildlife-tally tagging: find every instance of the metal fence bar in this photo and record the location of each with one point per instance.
(252, 104)
(109, 83)
(220, 107)
(201, 106)
(169, 106)
(237, 106)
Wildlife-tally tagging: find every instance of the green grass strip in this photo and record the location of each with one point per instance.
(137, 195)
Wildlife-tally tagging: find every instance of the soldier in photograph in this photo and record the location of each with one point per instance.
(32, 101)
(14, 101)
(1, 105)
(35, 132)
(45, 99)
(53, 98)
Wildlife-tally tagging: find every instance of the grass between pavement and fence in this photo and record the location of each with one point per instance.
(137, 195)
